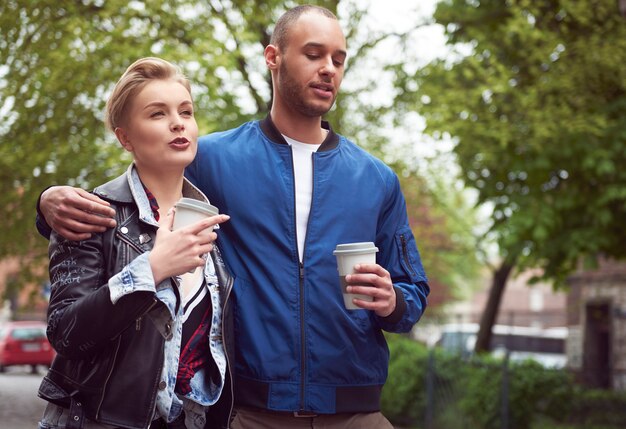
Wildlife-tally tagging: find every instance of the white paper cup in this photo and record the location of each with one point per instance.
(348, 255)
(189, 211)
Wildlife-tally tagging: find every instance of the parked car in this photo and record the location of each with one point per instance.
(24, 343)
(545, 346)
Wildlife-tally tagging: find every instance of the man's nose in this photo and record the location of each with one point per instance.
(328, 68)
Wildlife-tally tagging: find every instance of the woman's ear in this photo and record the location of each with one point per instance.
(122, 137)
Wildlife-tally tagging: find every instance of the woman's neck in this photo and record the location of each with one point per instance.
(167, 187)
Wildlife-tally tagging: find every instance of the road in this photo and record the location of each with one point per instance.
(20, 407)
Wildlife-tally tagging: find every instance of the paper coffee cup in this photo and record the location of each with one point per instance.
(189, 211)
(348, 255)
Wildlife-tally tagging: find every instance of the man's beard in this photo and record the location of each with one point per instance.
(293, 95)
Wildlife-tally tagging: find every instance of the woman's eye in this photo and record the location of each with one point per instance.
(187, 113)
(156, 114)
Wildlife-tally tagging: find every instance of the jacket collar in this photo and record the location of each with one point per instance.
(269, 129)
(128, 189)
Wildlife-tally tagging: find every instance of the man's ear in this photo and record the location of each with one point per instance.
(272, 57)
(122, 137)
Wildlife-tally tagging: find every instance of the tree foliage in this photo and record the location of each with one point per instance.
(535, 99)
(60, 59)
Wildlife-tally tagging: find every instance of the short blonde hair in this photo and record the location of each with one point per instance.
(134, 79)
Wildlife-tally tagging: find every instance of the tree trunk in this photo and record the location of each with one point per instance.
(490, 313)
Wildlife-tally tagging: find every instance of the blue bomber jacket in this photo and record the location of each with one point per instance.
(296, 347)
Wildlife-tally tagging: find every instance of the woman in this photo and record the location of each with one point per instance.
(137, 327)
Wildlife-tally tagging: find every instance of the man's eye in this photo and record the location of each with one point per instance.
(312, 56)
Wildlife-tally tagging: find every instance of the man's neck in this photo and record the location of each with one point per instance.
(304, 129)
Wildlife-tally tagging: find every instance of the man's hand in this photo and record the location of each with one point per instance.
(75, 213)
(373, 280)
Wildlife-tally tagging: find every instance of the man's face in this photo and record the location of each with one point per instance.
(311, 65)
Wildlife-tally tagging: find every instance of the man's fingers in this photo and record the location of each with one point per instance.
(363, 289)
(80, 220)
(77, 227)
(73, 236)
(371, 268)
(93, 204)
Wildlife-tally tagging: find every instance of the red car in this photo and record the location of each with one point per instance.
(24, 343)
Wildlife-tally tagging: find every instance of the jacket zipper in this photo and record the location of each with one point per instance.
(137, 327)
(405, 255)
(300, 284)
(106, 381)
(302, 335)
(229, 288)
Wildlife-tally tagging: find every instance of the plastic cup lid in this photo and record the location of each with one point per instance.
(190, 203)
(355, 248)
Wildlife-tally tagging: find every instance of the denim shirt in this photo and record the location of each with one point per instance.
(137, 276)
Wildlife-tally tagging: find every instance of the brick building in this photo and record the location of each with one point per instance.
(596, 318)
(21, 298)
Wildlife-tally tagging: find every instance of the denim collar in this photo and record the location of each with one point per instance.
(128, 188)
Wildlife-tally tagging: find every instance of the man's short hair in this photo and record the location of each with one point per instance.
(286, 21)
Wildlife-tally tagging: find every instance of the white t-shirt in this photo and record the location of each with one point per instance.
(303, 176)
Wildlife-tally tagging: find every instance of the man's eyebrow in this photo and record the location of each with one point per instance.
(320, 45)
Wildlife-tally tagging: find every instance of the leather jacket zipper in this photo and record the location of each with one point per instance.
(137, 327)
(117, 347)
(224, 339)
(106, 381)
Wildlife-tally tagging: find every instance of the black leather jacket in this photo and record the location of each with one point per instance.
(110, 357)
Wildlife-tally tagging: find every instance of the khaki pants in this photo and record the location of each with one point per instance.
(246, 418)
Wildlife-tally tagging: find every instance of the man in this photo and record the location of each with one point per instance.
(294, 190)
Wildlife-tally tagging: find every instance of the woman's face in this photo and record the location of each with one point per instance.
(160, 129)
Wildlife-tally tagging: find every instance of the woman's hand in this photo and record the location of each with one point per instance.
(180, 251)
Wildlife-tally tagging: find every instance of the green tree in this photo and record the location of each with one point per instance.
(535, 98)
(60, 59)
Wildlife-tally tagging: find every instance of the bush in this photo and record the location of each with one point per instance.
(533, 391)
(403, 399)
(468, 394)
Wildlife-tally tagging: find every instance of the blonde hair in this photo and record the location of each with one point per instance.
(134, 79)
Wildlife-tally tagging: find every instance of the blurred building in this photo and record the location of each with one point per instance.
(596, 346)
(21, 298)
(523, 304)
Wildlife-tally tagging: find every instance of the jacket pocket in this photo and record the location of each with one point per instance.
(409, 255)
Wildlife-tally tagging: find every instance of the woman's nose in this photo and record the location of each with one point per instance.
(178, 126)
